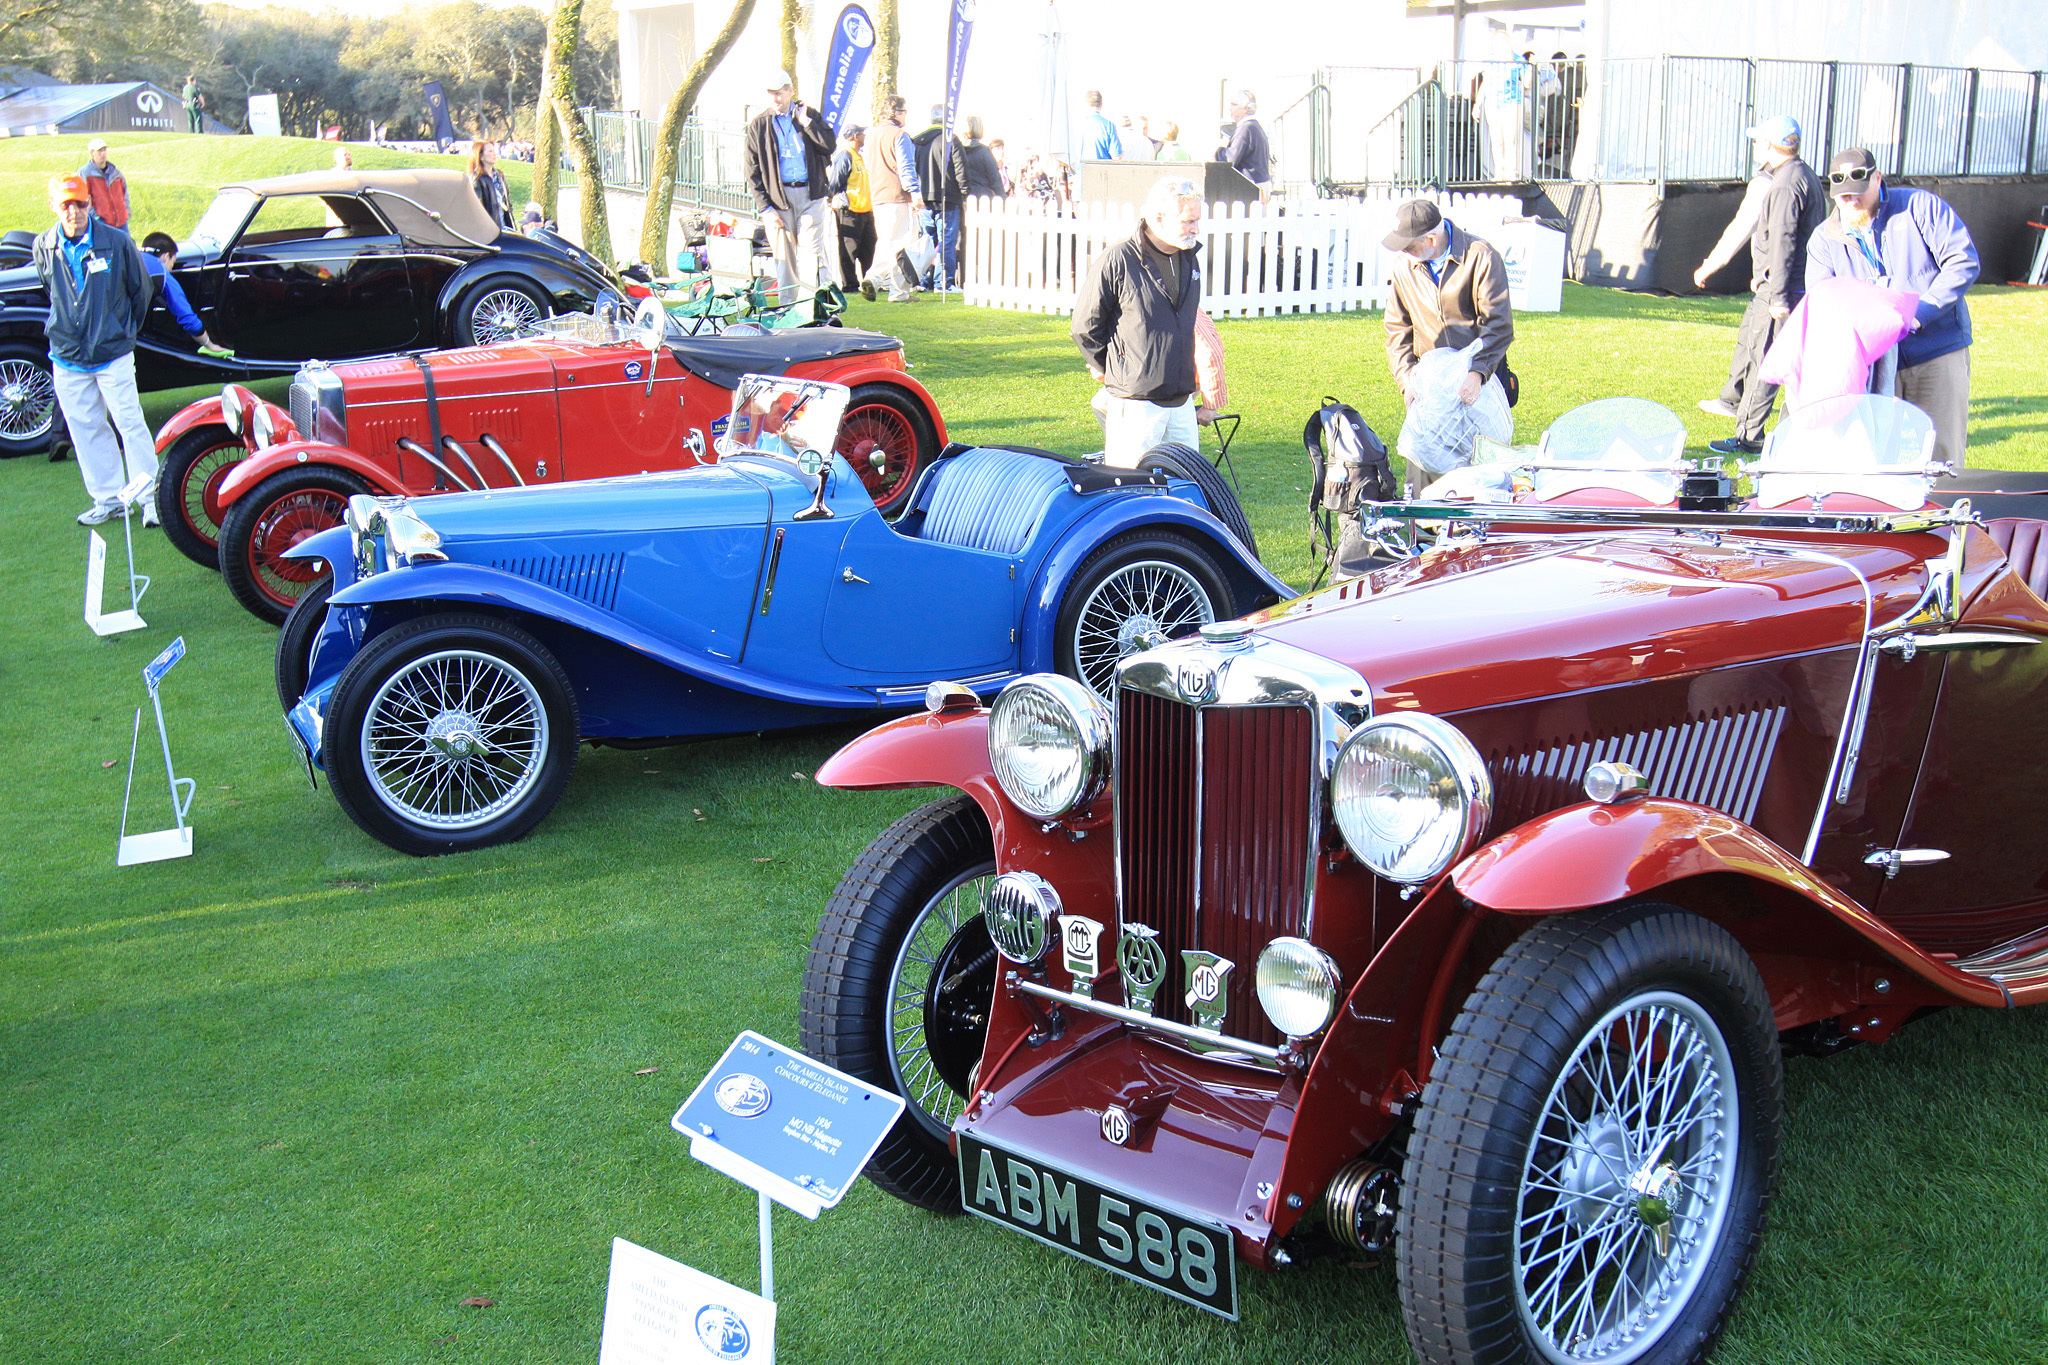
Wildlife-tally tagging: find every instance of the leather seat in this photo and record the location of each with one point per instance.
(990, 499)
(2022, 540)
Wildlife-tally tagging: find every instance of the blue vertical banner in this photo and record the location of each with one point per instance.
(957, 33)
(853, 42)
(437, 105)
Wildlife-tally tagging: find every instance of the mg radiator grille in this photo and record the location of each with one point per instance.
(1216, 836)
(594, 578)
(301, 402)
(1717, 758)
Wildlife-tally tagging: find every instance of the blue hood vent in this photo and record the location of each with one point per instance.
(593, 578)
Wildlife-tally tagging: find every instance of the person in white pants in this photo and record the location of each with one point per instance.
(894, 190)
(788, 148)
(99, 294)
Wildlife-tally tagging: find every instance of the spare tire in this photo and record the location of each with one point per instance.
(1180, 462)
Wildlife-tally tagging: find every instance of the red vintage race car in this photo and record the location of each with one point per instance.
(581, 398)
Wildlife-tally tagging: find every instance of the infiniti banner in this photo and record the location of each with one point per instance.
(853, 41)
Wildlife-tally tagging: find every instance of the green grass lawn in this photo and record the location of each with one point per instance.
(296, 1097)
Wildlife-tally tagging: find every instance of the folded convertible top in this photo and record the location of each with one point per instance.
(723, 359)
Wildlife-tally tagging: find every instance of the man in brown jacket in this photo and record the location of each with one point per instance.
(1449, 288)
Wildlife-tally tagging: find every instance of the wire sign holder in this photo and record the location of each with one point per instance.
(175, 842)
(113, 623)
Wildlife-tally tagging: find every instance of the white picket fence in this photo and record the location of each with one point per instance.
(1319, 256)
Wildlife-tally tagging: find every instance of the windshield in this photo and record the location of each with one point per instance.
(221, 221)
(794, 418)
(1629, 446)
(1615, 433)
(1870, 444)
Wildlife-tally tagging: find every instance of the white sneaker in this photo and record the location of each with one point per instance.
(149, 516)
(1717, 406)
(101, 513)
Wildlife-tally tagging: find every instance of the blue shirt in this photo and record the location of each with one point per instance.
(789, 150)
(1104, 142)
(174, 296)
(906, 164)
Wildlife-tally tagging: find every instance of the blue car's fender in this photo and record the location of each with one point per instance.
(474, 583)
(1249, 580)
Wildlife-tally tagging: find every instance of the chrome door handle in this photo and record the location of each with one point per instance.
(849, 576)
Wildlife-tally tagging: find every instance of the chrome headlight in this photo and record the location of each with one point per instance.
(1297, 984)
(365, 528)
(1049, 744)
(1410, 794)
(263, 426)
(1020, 910)
(232, 409)
(410, 537)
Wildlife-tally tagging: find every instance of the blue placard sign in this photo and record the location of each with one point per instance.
(776, 1121)
(153, 671)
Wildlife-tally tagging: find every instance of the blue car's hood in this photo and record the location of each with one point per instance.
(707, 496)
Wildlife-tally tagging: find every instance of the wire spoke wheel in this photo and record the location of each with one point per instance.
(501, 315)
(1628, 1180)
(1138, 606)
(454, 739)
(880, 445)
(28, 400)
(938, 1000)
(199, 490)
(279, 528)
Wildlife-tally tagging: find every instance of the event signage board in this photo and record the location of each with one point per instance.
(853, 42)
(101, 621)
(662, 1312)
(778, 1122)
(175, 842)
(264, 118)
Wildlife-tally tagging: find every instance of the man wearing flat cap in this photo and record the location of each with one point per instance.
(1449, 289)
(788, 152)
(1907, 239)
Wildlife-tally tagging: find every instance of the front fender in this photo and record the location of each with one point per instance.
(1130, 512)
(1590, 854)
(202, 413)
(292, 454)
(452, 582)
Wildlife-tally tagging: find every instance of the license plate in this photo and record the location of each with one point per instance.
(301, 752)
(1193, 1259)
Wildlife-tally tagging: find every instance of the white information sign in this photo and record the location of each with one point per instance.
(662, 1312)
(102, 621)
(175, 842)
(263, 116)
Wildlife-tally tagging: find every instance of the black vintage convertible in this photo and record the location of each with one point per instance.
(323, 266)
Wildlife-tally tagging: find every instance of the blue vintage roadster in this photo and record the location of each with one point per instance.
(467, 642)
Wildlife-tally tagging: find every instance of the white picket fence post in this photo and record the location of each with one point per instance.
(1320, 256)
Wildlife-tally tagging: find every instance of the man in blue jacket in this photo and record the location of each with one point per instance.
(1907, 239)
(99, 294)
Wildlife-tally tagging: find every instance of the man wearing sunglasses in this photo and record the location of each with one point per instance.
(1907, 239)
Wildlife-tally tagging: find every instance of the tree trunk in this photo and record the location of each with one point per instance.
(547, 153)
(789, 22)
(661, 183)
(887, 46)
(564, 27)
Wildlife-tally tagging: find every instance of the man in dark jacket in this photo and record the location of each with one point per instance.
(1134, 321)
(99, 294)
(1793, 206)
(788, 147)
(942, 178)
(1249, 151)
(1908, 239)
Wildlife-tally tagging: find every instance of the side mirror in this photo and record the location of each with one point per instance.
(650, 327)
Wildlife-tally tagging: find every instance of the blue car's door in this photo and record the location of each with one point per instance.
(898, 605)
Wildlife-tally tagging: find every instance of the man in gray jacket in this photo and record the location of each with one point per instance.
(1793, 206)
(99, 294)
(1135, 324)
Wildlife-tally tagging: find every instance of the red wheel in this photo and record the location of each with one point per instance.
(887, 440)
(269, 520)
(188, 490)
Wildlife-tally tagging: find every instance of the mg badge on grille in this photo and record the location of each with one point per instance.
(1079, 936)
(1143, 964)
(1208, 987)
(1196, 682)
(1116, 1125)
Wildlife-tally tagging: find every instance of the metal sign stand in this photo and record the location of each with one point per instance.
(175, 842)
(114, 623)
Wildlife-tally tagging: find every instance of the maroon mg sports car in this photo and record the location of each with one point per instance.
(1459, 915)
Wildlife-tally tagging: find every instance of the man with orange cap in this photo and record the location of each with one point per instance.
(99, 294)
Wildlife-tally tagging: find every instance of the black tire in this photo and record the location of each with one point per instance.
(1518, 1152)
(883, 419)
(187, 487)
(485, 312)
(1139, 589)
(273, 517)
(415, 684)
(1182, 463)
(28, 399)
(295, 641)
(904, 922)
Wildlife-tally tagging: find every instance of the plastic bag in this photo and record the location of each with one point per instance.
(1437, 435)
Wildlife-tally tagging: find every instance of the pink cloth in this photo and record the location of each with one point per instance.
(1828, 344)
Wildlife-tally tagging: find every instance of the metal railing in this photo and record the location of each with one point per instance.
(710, 159)
(1474, 123)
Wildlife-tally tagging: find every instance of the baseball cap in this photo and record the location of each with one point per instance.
(65, 189)
(96, 144)
(1782, 131)
(1413, 219)
(1851, 169)
(777, 80)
